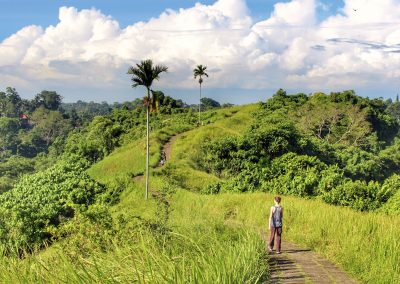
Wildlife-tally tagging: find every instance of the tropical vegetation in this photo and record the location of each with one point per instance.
(79, 215)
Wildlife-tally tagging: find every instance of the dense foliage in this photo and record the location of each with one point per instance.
(340, 147)
(38, 203)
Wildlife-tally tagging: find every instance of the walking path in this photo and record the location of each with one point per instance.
(299, 265)
(166, 151)
(167, 148)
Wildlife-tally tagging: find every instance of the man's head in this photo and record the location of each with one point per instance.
(277, 199)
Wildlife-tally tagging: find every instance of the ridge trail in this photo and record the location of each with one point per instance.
(296, 264)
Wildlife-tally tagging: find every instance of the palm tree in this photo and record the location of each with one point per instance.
(143, 75)
(199, 71)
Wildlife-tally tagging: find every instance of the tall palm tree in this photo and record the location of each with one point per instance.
(199, 71)
(143, 75)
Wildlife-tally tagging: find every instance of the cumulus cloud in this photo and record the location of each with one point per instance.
(358, 47)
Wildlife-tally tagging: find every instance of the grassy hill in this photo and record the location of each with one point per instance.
(359, 242)
(182, 235)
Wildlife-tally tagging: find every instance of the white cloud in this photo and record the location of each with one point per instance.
(291, 49)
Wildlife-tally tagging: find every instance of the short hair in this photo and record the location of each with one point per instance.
(277, 199)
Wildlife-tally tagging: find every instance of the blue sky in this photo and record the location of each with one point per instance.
(16, 14)
(251, 47)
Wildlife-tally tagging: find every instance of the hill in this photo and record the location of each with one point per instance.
(210, 200)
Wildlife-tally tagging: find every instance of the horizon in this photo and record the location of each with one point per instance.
(251, 48)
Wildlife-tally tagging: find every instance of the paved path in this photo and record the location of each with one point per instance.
(299, 265)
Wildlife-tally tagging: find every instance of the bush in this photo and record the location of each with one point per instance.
(359, 164)
(389, 188)
(331, 178)
(274, 137)
(357, 194)
(97, 141)
(392, 206)
(40, 202)
(294, 174)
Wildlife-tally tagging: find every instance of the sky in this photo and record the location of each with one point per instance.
(83, 49)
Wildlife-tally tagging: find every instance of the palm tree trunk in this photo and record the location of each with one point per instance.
(200, 107)
(147, 145)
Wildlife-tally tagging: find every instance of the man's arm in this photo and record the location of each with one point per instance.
(270, 216)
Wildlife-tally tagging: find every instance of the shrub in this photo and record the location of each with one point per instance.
(42, 201)
(294, 174)
(357, 194)
(330, 178)
(392, 206)
(389, 188)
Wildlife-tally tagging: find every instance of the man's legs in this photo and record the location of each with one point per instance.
(271, 238)
(278, 238)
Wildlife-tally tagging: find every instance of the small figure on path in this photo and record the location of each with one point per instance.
(275, 225)
(163, 159)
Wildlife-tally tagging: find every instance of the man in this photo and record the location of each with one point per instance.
(275, 225)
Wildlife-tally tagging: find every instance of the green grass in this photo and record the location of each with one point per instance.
(201, 248)
(364, 244)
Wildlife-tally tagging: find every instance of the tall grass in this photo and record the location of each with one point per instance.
(364, 244)
(185, 261)
(206, 251)
(367, 245)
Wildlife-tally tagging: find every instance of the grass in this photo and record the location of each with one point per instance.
(207, 251)
(216, 240)
(197, 250)
(364, 244)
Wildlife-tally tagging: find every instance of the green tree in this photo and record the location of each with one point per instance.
(49, 124)
(8, 135)
(209, 103)
(48, 99)
(10, 103)
(143, 75)
(199, 71)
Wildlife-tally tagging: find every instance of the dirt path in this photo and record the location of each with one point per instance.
(299, 265)
(167, 150)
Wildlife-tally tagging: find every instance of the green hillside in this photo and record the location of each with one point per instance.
(209, 203)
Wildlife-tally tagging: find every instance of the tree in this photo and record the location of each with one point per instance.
(199, 71)
(8, 135)
(48, 125)
(143, 75)
(10, 103)
(48, 99)
(209, 103)
(156, 100)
